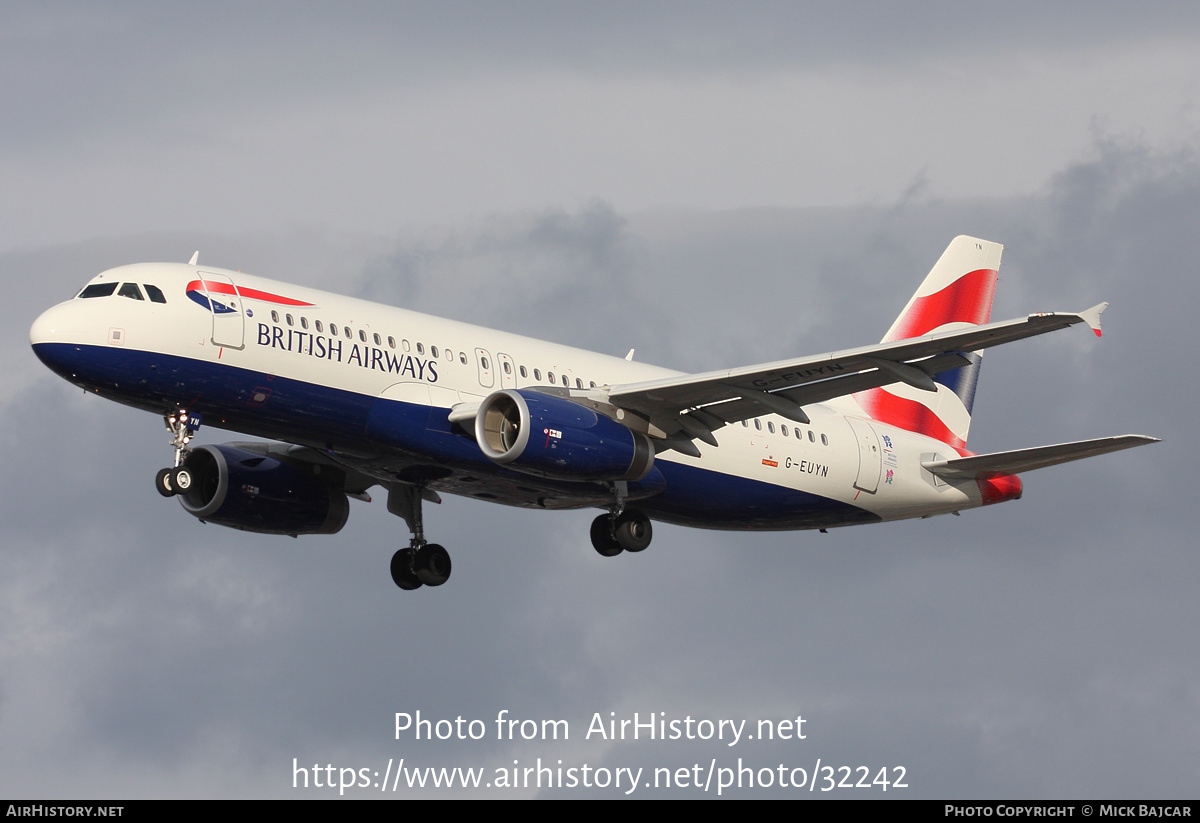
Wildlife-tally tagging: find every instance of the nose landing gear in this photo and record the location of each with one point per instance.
(177, 480)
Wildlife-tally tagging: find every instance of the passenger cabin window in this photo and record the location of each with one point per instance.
(578, 383)
(770, 427)
(550, 376)
(420, 348)
(362, 335)
(391, 342)
(274, 316)
(462, 358)
(566, 381)
(156, 295)
(433, 351)
(824, 440)
(757, 424)
(288, 317)
(131, 291)
(320, 328)
(378, 340)
(98, 290)
(524, 372)
(537, 375)
(304, 322)
(507, 367)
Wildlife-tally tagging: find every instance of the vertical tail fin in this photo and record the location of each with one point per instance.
(957, 293)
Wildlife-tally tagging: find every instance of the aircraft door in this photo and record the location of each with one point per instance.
(870, 458)
(487, 377)
(508, 371)
(226, 306)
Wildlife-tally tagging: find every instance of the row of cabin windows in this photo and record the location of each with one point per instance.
(433, 350)
(783, 429)
(335, 330)
(537, 375)
(129, 290)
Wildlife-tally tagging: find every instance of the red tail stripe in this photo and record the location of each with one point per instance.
(908, 415)
(967, 300)
(999, 489)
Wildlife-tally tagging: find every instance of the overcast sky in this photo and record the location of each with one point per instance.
(715, 185)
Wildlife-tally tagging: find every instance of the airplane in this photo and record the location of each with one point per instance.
(354, 394)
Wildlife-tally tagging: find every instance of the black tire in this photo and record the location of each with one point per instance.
(634, 531)
(432, 564)
(602, 539)
(402, 573)
(162, 482)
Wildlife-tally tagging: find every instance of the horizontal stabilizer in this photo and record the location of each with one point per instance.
(983, 466)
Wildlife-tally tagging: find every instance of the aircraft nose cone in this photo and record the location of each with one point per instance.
(45, 329)
(54, 337)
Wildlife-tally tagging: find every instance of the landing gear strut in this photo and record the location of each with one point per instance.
(421, 563)
(177, 480)
(621, 529)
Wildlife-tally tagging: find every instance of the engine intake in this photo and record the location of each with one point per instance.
(553, 437)
(257, 493)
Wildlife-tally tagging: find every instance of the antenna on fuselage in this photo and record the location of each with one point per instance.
(195, 257)
(629, 356)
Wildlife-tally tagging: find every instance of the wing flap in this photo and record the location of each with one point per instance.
(984, 466)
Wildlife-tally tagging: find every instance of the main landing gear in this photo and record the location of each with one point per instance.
(621, 529)
(177, 480)
(421, 563)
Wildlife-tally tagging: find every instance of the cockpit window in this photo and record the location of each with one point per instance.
(98, 290)
(131, 291)
(156, 295)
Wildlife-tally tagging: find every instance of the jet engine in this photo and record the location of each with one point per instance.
(554, 437)
(256, 493)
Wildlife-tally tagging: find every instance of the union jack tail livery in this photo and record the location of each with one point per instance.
(957, 294)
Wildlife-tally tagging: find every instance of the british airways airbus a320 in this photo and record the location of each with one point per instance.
(359, 394)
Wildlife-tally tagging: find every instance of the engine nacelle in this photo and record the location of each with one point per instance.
(257, 493)
(553, 437)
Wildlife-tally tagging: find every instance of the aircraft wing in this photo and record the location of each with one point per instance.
(693, 406)
(985, 466)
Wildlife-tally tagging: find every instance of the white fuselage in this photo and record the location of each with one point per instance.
(320, 370)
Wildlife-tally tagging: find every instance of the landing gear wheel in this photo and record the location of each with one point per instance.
(432, 564)
(633, 531)
(402, 573)
(602, 538)
(162, 482)
(181, 480)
